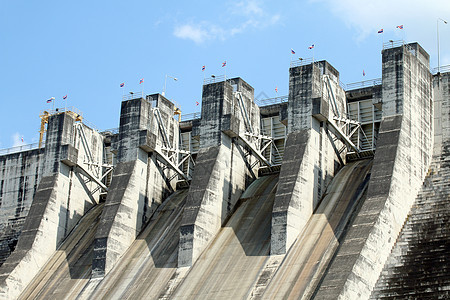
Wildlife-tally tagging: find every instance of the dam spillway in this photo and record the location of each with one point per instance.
(307, 196)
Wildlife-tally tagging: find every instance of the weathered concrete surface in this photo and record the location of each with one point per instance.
(142, 273)
(62, 197)
(309, 161)
(138, 184)
(401, 161)
(19, 177)
(228, 267)
(418, 265)
(68, 270)
(223, 166)
(309, 256)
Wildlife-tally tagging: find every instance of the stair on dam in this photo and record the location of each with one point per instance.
(419, 263)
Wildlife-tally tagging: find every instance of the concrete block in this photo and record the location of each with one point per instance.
(230, 125)
(69, 155)
(147, 140)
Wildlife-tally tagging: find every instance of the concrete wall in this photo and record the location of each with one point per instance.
(139, 183)
(401, 161)
(223, 166)
(62, 197)
(309, 161)
(19, 178)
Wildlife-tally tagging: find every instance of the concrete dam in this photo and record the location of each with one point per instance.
(332, 192)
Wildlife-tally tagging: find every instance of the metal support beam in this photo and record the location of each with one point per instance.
(336, 131)
(90, 176)
(256, 152)
(161, 127)
(169, 163)
(331, 94)
(244, 112)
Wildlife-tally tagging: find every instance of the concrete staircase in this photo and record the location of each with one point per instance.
(419, 265)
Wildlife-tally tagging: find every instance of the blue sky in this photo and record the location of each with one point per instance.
(85, 49)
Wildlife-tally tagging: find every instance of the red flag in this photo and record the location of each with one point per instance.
(276, 89)
(196, 103)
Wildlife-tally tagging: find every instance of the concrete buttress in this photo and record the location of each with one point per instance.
(62, 197)
(309, 161)
(224, 166)
(139, 184)
(402, 158)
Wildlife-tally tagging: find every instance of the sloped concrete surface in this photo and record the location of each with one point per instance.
(310, 254)
(229, 266)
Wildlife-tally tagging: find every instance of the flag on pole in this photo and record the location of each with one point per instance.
(364, 73)
(380, 31)
(203, 68)
(22, 139)
(196, 103)
(400, 26)
(311, 47)
(122, 84)
(65, 97)
(276, 89)
(141, 81)
(50, 100)
(224, 64)
(292, 51)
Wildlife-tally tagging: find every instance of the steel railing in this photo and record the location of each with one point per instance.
(271, 101)
(301, 62)
(20, 148)
(441, 69)
(214, 79)
(393, 44)
(132, 95)
(191, 116)
(362, 84)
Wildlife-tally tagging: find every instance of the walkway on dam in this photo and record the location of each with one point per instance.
(228, 269)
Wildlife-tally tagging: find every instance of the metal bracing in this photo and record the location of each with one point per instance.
(167, 154)
(250, 138)
(244, 112)
(332, 97)
(96, 171)
(340, 125)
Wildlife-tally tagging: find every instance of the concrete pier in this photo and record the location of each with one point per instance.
(61, 199)
(402, 158)
(309, 162)
(333, 192)
(224, 166)
(138, 184)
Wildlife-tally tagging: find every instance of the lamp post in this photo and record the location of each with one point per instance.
(165, 82)
(437, 30)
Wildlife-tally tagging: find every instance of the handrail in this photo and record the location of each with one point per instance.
(133, 95)
(363, 84)
(442, 69)
(271, 101)
(111, 130)
(301, 62)
(214, 79)
(21, 148)
(191, 116)
(393, 44)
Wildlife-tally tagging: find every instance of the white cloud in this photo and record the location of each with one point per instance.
(250, 14)
(192, 32)
(17, 140)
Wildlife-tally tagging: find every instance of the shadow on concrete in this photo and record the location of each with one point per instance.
(252, 219)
